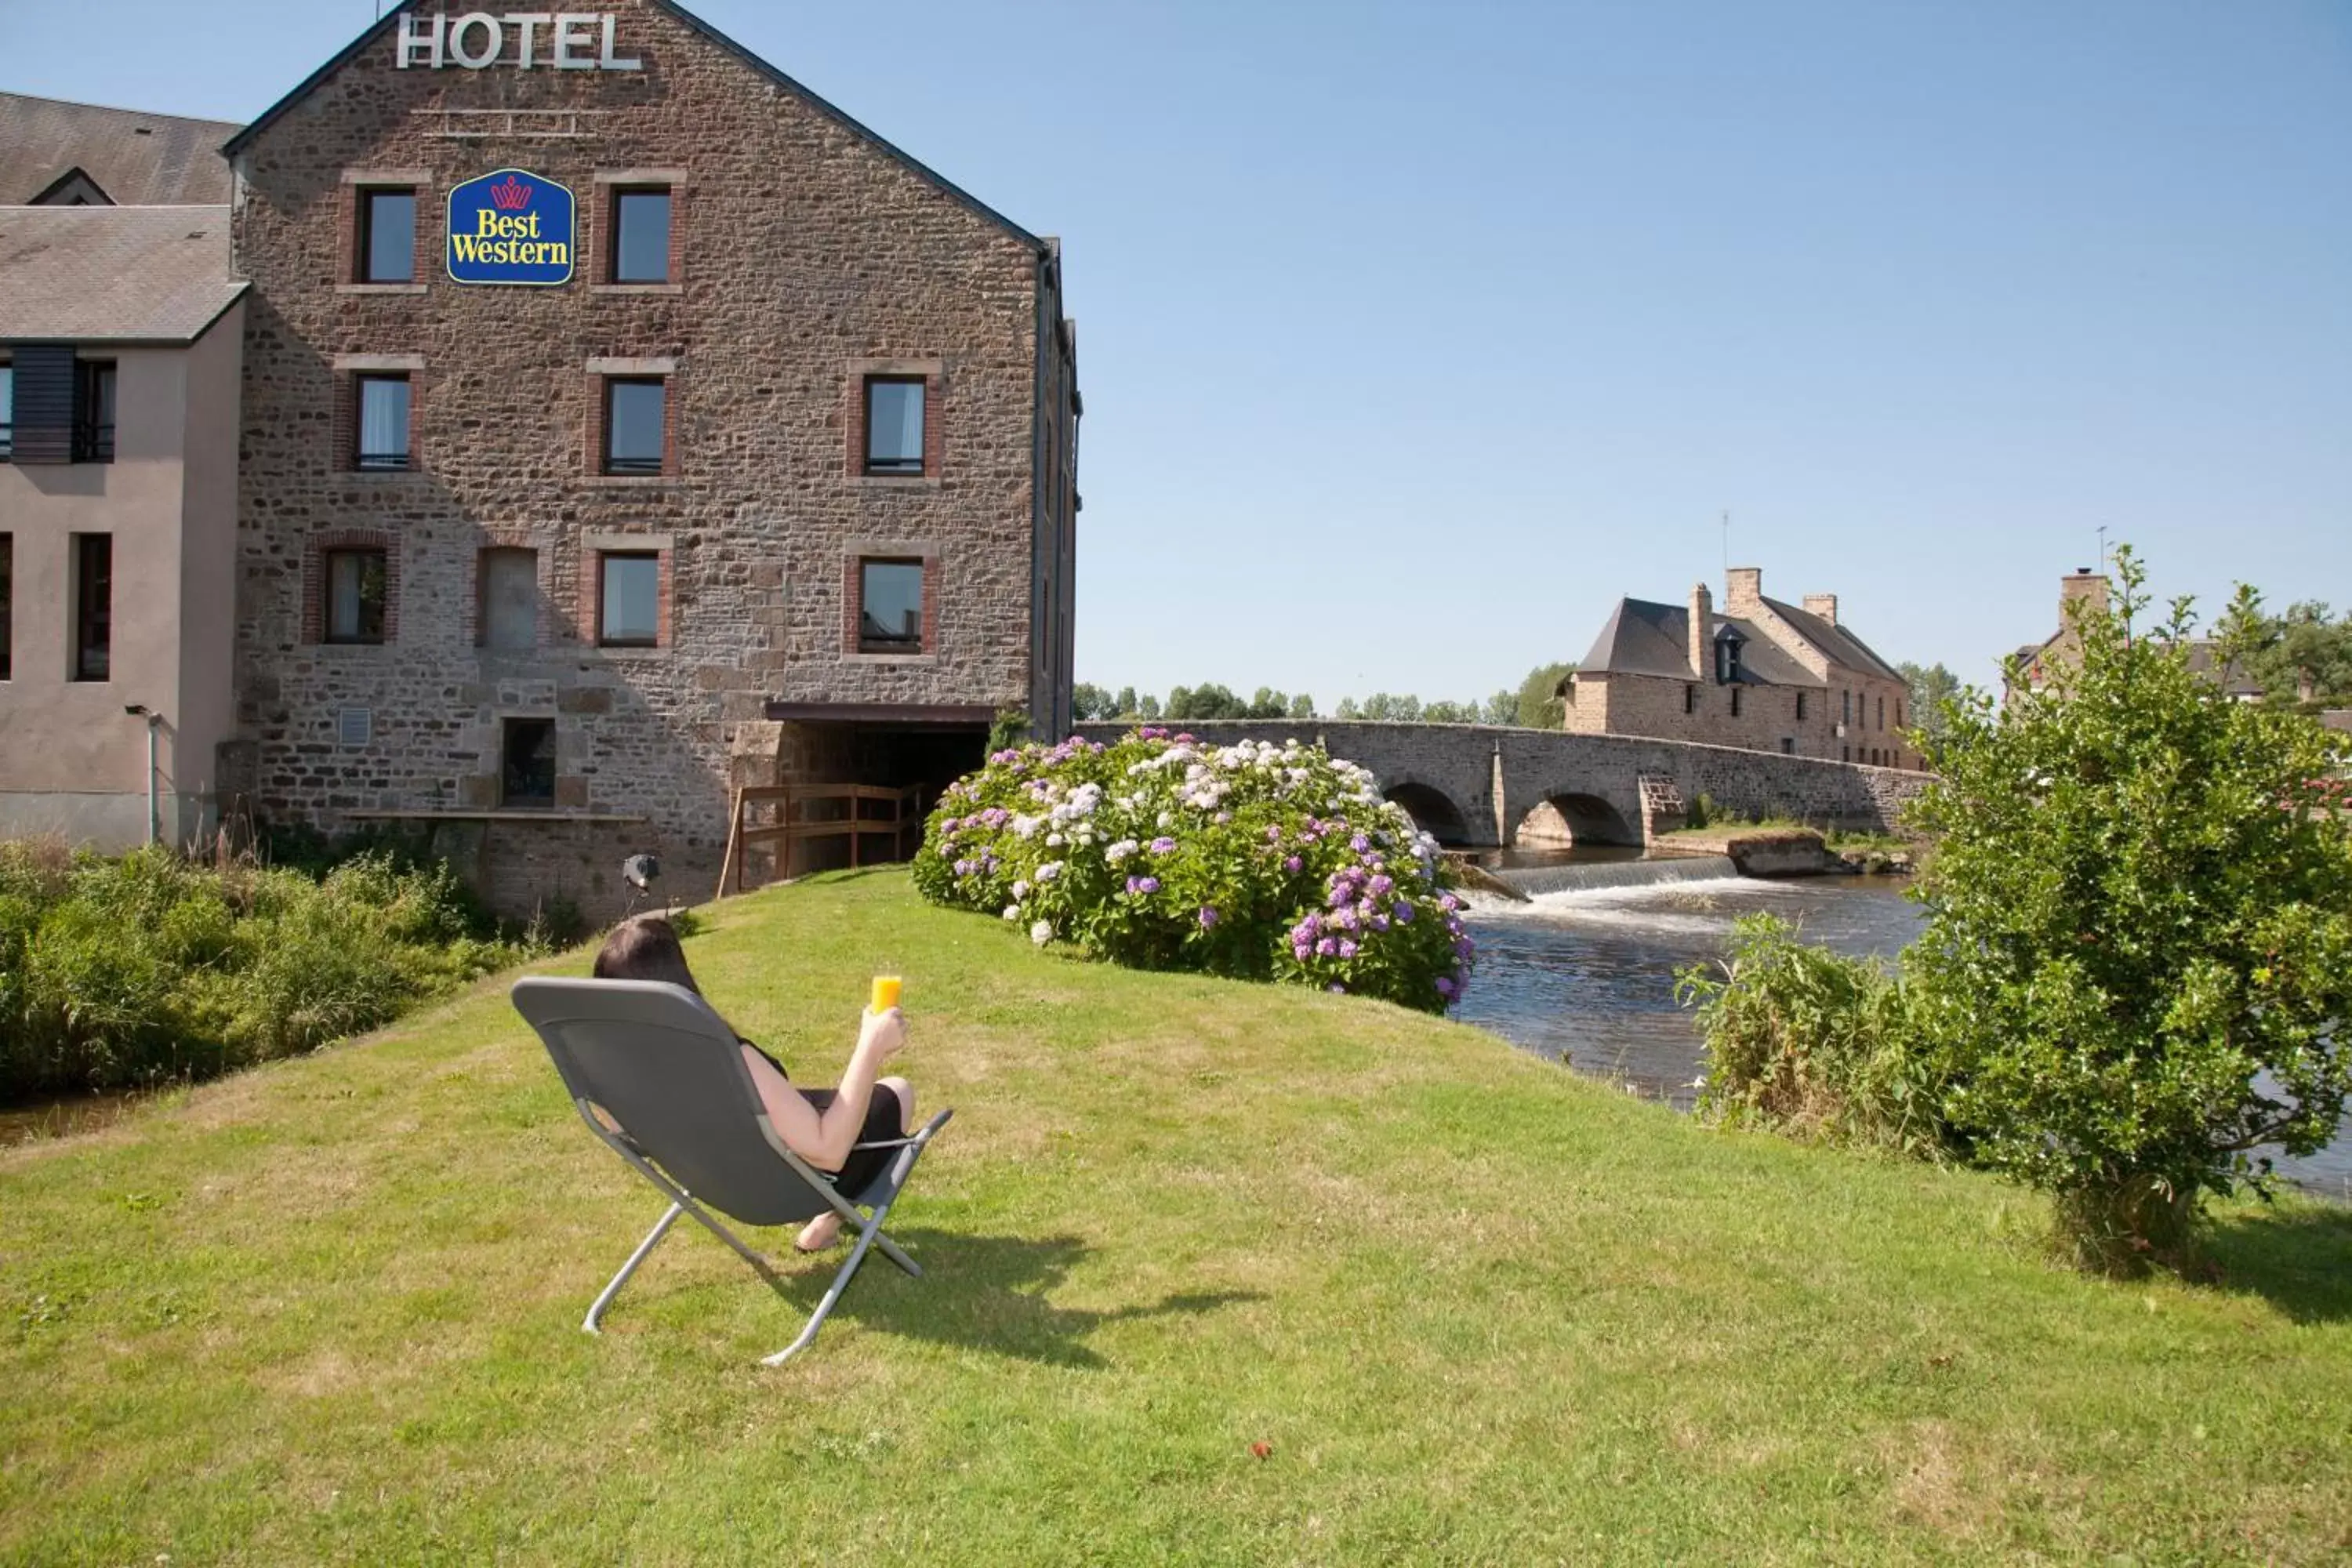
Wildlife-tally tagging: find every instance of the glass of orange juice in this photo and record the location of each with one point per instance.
(886, 993)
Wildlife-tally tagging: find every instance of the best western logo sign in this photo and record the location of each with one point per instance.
(510, 227)
(479, 39)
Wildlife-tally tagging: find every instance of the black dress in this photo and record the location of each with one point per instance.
(884, 1118)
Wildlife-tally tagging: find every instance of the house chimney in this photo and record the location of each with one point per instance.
(2083, 583)
(1701, 628)
(1822, 606)
(1743, 590)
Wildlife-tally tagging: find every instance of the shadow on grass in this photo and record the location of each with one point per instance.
(987, 1293)
(2299, 1260)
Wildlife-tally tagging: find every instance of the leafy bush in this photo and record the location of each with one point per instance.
(2138, 961)
(1257, 861)
(145, 968)
(1811, 1043)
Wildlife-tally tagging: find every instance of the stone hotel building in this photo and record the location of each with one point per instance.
(622, 423)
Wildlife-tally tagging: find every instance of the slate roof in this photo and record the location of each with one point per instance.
(1647, 638)
(137, 158)
(1842, 646)
(128, 274)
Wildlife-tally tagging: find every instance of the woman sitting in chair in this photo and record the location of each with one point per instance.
(820, 1125)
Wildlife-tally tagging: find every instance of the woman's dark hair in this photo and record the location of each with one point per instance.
(646, 948)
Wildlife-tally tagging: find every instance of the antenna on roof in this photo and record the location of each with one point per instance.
(2103, 547)
(1727, 546)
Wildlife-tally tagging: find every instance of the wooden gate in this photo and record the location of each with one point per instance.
(792, 813)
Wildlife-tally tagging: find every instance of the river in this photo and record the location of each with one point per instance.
(1585, 973)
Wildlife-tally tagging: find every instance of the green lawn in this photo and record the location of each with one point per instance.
(1481, 1311)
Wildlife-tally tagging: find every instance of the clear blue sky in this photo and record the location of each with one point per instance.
(1411, 336)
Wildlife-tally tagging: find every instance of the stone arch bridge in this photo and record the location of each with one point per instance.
(1478, 786)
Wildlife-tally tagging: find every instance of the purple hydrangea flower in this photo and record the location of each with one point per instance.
(1347, 948)
(1360, 844)
(1379, 922)
(1162, 845)
(1337, 989)
(1465, 948)
(1290, 862)
(1208, 916)
(1446, 987)
(1381, 887)
(1347, 919)
(1403, 910)
(1274, 836)
(1147, 884)
(1326, 947)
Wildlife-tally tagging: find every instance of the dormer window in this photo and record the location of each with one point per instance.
(1728, 643)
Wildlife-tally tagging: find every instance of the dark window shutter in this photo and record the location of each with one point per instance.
(45, 402)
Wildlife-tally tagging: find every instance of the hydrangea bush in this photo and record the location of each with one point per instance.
(1253, 860)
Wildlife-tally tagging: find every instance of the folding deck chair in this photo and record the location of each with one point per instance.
(669, 1073)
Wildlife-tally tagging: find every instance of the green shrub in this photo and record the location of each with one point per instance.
(1811, 1043)
(117, 972)
(2138, 950)
(1256, 861)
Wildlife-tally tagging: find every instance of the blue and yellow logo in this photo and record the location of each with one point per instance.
(510, 227)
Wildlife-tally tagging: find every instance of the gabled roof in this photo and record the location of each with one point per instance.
(126, 274)
(390, 19)
(1840, 644)
(1643, 637)
(134, 159)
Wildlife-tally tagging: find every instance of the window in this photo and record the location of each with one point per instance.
(629, 588)
(506, 611)
(894, 424)
(1898, 712)
(93, 420)
(1788, 745)
(93, 606)
(1881, 713)
(1845, 753)
(1690, 699)
(1847, 717)
(1800, 707)
(7, 601)
(527, 762)
(356, 595)
(7, 411)
(387, 237)
(1735, 702)
(383, 423)
(634, 413)
(640, 235)
(890, 607)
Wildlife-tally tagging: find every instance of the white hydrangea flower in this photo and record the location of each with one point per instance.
(1049, 871)
(1020, 891)
(1013, 911)
(1042, 933)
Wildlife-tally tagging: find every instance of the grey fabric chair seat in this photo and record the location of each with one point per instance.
(679, 1105)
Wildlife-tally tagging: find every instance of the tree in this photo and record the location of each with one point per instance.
(1346, 710)
(1539, 705)
(1503, 707)
(1382, 708)
(1092, 702)
(1267, 703)
(1302, 707)
(1211, 701)
(1445, 712)
(2303, 656)
(1931, 685)
(1149, 708)
(1123, 705)
(2138, 961)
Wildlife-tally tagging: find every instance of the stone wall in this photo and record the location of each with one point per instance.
(805, 257)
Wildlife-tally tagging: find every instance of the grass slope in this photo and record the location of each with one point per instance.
(1482, 1312)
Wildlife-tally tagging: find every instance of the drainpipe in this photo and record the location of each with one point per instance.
(154, 807)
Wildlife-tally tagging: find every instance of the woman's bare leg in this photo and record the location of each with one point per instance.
(822, 1231)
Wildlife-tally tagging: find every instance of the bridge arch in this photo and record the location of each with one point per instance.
(1573, 816)
(1432, 810)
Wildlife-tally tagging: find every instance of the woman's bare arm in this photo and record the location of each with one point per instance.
(824, 1139)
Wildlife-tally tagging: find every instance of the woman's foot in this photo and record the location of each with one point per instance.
(818, 1234)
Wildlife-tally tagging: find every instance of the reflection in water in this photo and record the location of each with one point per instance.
(1586, 976)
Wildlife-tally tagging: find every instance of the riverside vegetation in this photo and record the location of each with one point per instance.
(129, 970)
(328, 1311)
(2135, 966)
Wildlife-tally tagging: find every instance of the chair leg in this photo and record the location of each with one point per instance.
(832, 1295)
(889, 1249)
(652, 1237)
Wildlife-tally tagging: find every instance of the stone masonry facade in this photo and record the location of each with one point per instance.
(1820, 698)
(805, 255)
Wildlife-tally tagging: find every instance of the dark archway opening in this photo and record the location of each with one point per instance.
(1435, 814)
(1562, 820)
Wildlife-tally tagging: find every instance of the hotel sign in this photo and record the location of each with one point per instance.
(478, 40)
(510, 227)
